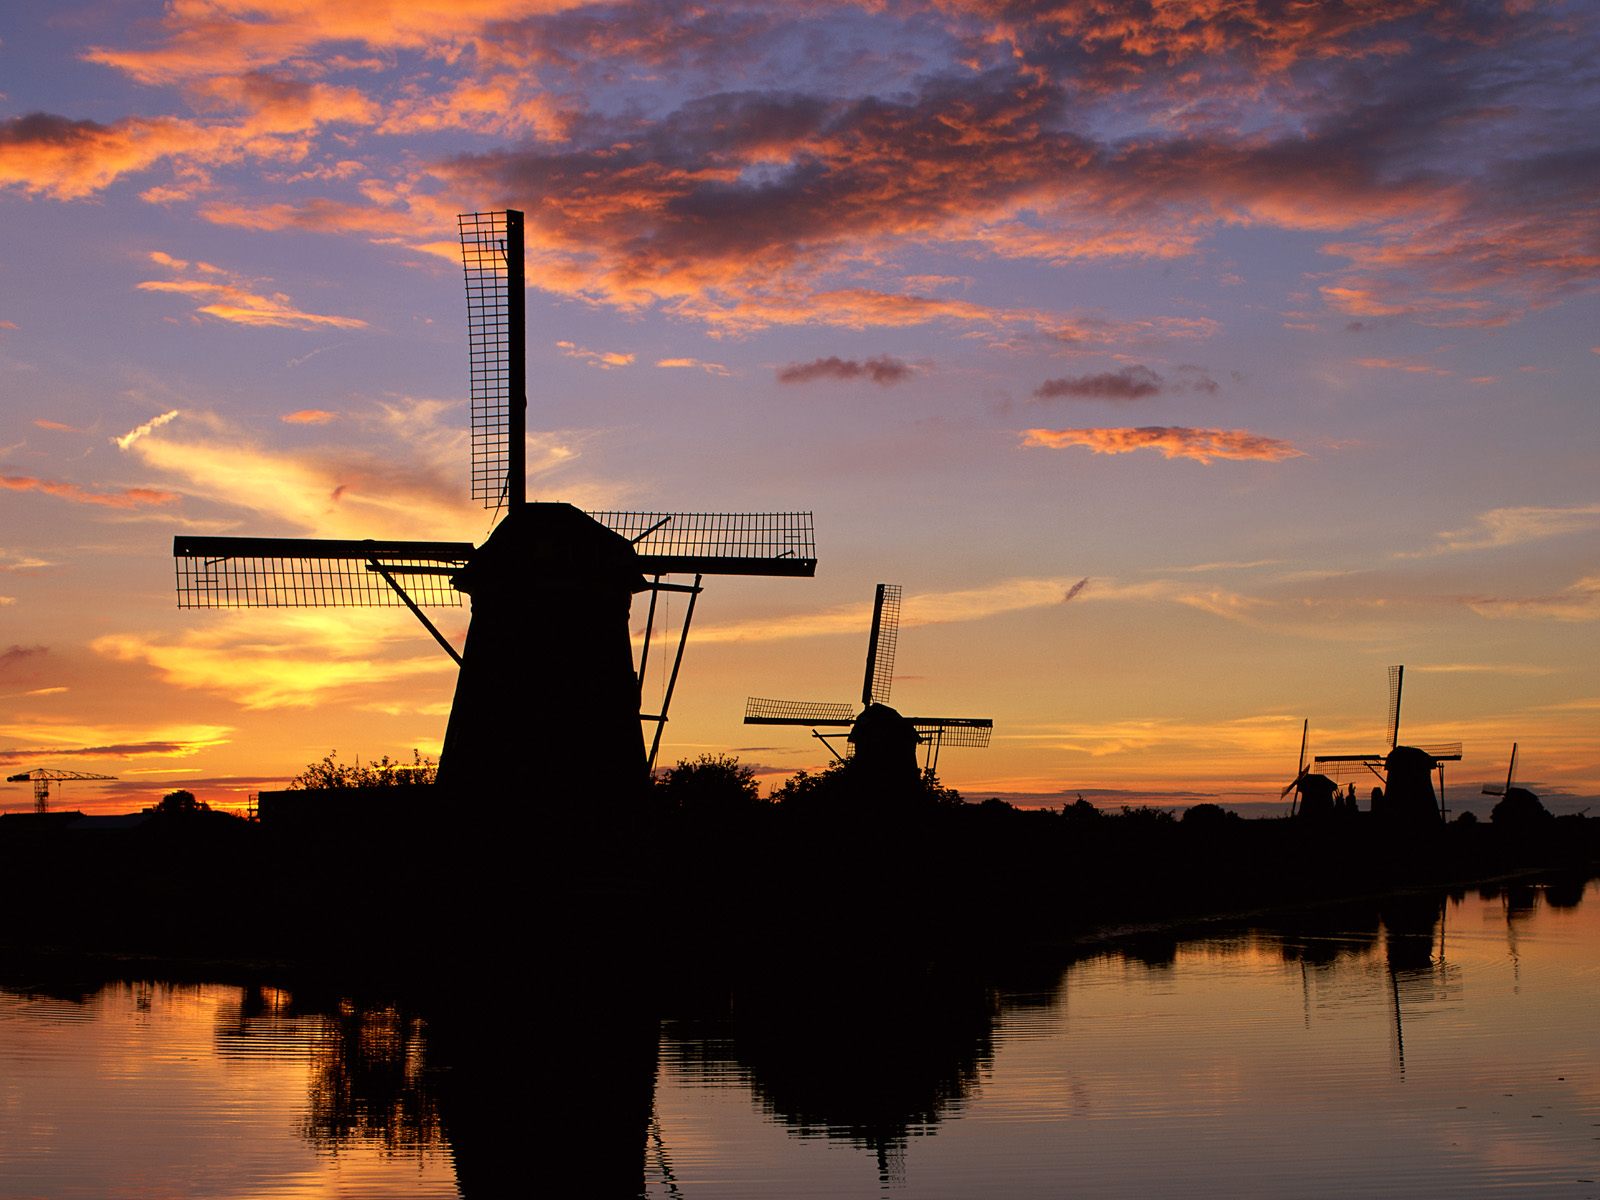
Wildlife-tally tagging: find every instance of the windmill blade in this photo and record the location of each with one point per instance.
(240, 572)
(881, 645)
(782, 543)
(1397, 676)
(761, 711)
(491, 255)
(1442, 751)
(955, 731)
(1300, 768)
(1511, 771)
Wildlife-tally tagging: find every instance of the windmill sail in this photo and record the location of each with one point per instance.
(761, 711)
(1397, 677)
(781, 543)
(245, 572)
(491, 255)
(954, 731)
(881, 645)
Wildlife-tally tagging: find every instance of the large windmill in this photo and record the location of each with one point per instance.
(932, 732)
(548, 658)
(1406, 770)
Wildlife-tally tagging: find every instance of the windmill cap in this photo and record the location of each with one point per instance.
(552, 545)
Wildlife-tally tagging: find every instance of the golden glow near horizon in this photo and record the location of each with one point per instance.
(1200, 309)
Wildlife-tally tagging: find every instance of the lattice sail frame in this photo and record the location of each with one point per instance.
(1391, 730)
(761, 711)
(954, 731)
(496, 382)
(781, 543)
(231, 572)
(881, 645)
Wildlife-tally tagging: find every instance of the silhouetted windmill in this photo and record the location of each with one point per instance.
(1315, 795)
(548, 650)
(1407, 770)
(43, 777)
(1511, 773)
(933, 732)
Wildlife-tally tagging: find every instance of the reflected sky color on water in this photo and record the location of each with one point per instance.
(1413, 1047)
(149, 1090)
(1424, 1059)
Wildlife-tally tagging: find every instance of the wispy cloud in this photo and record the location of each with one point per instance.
(1130, 383)
(604, 359)
(404, 478)
(133, 497)
(297, 659)
(1408, 365)
(1513, 526)
(231, 300)
(139, 431)
(308, 416)
(710, 368)
(57, 426)
(1172, 441)
(925, 608)
(882, 370)
(48, 741)
(1578, 601)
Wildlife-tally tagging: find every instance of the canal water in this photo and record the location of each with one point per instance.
(1426, 1045)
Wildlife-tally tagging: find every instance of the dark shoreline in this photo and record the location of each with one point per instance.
(405, 903)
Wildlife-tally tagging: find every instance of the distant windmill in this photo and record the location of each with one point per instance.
(1314, 794)
(548, 653)
(934, 732)
(1511, 772)
(1406, 770)
(43, 777)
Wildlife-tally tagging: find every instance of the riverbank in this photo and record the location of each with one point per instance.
(403, 898)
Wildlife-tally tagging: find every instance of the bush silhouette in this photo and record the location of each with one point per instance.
(331, 773)
(710, 784)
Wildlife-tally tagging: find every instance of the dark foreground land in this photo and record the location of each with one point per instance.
(405, 882)
(852, 962)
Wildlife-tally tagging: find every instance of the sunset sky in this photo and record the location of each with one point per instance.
(1277, 323)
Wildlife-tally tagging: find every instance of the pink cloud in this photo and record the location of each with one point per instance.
(1202, 445)
(125, 498)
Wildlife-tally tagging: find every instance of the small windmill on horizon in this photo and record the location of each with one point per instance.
(548, 651)
(882, 642)
(1407, 770)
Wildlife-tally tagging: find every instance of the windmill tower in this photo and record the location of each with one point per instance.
(1407, 770)
(1315, 795)
(876, 719)
(43, 777)
(548, 649)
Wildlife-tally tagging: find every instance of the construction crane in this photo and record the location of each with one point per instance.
(43, 777)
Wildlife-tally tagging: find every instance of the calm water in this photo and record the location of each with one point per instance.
(1439, 1047)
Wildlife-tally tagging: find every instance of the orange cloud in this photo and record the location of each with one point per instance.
(710, 368)
(1578, 601)
(228, 299)
(1409, 366)
(133, 497)
(604, 359)
(1202, 445)
(46, 423)
(308, 416)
